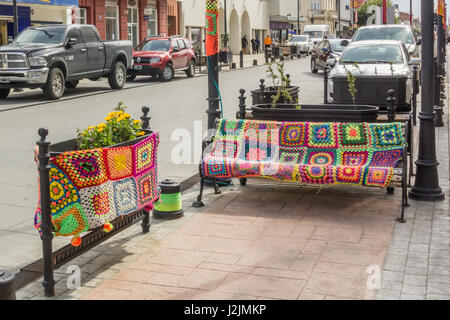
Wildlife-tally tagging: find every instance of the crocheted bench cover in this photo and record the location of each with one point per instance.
(89, 188)
(307, 152)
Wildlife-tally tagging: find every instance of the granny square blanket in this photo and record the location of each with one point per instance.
(307, 152)
(89, 188)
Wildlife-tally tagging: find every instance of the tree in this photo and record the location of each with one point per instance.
(362, 10)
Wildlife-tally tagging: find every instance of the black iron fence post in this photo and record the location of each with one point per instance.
(391, 105)
(415, 92)
(46, 222)
(426, 185)
(262, 88)
(325, 85)
(242, 106)
(241, 59)
(145, 118)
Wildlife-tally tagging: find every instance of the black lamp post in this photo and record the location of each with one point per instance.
(426, 185)
(15, 18)
(225, 22)
(298, 17)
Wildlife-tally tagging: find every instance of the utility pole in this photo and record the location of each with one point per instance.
(426, 185)
(410, 13)
(15, 18)
(225, 22)
(338, 4)
(298, 17)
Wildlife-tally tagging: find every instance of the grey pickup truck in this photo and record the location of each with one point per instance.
(56, 57)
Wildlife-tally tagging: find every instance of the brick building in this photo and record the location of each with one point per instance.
(130, 19)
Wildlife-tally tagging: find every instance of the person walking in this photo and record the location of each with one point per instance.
(244, 44)
(258, 45)
(253, 42)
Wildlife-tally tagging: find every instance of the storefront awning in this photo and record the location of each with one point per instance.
(49, 2)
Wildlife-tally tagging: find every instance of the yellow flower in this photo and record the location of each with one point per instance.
(118, 113)
(126, 115)
(108, 118)
(90, 128)
(141, 133)
(102, 125)
(100, 129)
(136, 121)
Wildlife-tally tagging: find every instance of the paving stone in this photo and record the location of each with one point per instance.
(412, 289)
(437, 297)
(438, 288)
(416, 270)
(440, 270)
(387, 294)
(406, 296)
(417, 280)
(436, 278)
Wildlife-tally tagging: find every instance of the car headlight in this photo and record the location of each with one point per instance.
(154, 60)
(37, 61)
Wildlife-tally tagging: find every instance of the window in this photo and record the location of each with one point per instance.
(75, 33)
(89, 35)
(175, 44)
(315, 5)
(80, 16)
(112, 23)
(133, 29)
(387, 53)
(181, 44)
(152, 23)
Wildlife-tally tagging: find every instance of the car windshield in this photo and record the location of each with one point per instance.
(42, 35)
(299, 39)
(336, 46)
(314, 34)
(156, 45)
(387, 53)
(400, 34)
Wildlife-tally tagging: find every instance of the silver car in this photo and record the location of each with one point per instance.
(372, 59)
(304, 43)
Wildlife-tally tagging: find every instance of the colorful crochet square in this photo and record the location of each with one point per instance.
(62, 192)
(71, 221)
(262, 131)
(292, 134)
(145, 187)
(216, 167)
(386, 158)
(119, 162)
(98, 204)
(257, 151)
(354, 135)
(241, 169)
(349, 175)
(378, 177)
(353, 158)
(125, 199)
(84, 168)
(321, 135)
(292, 155)
(225, 149)
(321, 157)
(230, 130)
(387, 136)
(285, 172)
(144, 155)
(316, 174)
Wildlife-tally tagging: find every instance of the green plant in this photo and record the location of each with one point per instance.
(351, 80)
(281, 83)
(118, 127)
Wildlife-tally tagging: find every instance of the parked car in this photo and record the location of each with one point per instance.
(325, 50)
(56, 57)
(378, 65)
(400, 32)
(303, 42)
(162, 57)
(317, 32)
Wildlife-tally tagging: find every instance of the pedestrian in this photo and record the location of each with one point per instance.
(267, 42)
(258, 44)
(244, 44)
(253, 42)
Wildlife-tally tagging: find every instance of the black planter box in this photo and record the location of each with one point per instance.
(372, 91)
(269, 92)
(276, 52)
(320, 113)
(225, 57)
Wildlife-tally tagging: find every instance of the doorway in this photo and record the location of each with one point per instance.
(133, 25)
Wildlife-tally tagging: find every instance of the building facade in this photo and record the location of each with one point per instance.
(321, 12)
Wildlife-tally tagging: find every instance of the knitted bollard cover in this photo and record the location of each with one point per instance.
(308, 152)
(89, 188)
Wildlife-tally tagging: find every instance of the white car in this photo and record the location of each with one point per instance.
(373, 59)
(304, 43)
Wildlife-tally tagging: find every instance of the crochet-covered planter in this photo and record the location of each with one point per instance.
(323, 112)
(271, 91)
(90, 188)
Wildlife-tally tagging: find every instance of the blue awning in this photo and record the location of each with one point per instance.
(49, 2)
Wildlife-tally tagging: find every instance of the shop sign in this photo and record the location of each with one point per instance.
(49, 2)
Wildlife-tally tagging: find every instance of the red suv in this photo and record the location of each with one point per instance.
(162, 57)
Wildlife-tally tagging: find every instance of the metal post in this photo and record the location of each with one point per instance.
(266, 54)
(325, 85)
(16, 19)
(212, 58)
(242, 106)
(262, 88)
(415, 91)
(46, 218)
(384, 11)
(410, 13)
(241, 59)
(426, 185)
(145, 119)
(339, 18)
(225, 22)
(391, 105)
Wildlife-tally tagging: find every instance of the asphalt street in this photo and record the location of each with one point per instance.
(175, 108)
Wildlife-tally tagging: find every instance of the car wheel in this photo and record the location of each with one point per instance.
(54, 87)
(167, 73)
(71, 84)
(4, 93)
(131, 76)
(190, 72)
(117, 77)
(313, 66)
